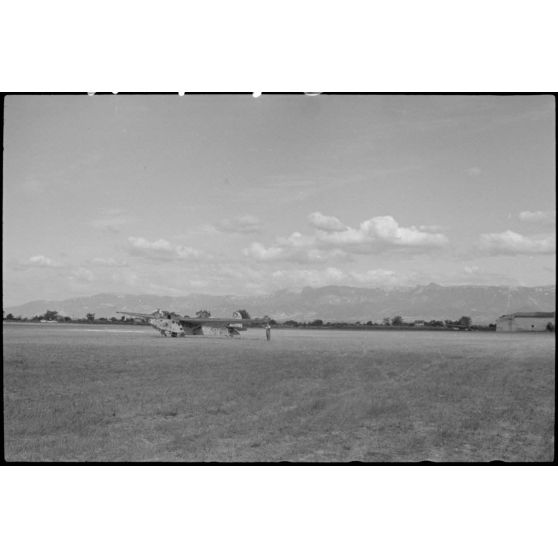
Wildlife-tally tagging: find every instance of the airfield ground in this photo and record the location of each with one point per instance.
(123, 393)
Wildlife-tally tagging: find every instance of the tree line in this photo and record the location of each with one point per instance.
(465, 322)
(54, 316)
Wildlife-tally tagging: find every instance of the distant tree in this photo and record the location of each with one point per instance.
(272, 322)
(369, 323)
(50, 315)
(243, 313)
(203, 314)
(90, 316)
(317, 323)
(10, 316)
(67, 319)
(114, 319)
(397, 321)
(386, 321)
(549, 326)
(291, 323)
(123, 319)
(465, 321)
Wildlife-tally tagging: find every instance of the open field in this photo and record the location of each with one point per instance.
(123, 393)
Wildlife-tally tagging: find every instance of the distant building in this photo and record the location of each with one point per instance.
(526, 321)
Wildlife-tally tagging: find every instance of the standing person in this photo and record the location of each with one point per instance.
(268, 332)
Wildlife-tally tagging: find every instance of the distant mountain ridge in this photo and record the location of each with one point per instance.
(331, 303)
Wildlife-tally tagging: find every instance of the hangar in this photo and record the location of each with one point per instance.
(526, 321)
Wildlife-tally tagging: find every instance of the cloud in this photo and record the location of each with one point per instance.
(297, 278)
(542, 217)
(41, 261)
(82, 275)
(112, 220)
(160, 249)
(333, 240)
(380, 233)
(294, 249)
(325, 222)
(107, 262)
(258, 251)
(471, 269)
(245, 224)
(512, 243)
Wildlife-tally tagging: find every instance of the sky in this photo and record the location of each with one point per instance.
(231, 194)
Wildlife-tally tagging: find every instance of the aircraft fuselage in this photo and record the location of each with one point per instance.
(177, 328)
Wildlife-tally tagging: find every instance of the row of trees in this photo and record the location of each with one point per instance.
(53, 315)
(464, 322)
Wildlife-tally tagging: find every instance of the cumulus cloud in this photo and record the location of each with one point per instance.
(512, 243)
(258, 251)
(82, 275)
(245, 224)
(160, 249)
(325, 222)
(382, 232)
(41, 261)
(333, 240)
(542, 217)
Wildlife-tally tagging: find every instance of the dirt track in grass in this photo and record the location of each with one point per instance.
(115, 393)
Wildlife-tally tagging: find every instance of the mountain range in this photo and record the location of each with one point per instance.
(484, 304)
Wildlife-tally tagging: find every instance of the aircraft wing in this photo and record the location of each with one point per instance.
(215, 322)
(218, 322)
(136, 315)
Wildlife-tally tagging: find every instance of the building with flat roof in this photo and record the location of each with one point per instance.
(526, 321)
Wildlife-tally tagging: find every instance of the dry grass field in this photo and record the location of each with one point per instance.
(123, 393)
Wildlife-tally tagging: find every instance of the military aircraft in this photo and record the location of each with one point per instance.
(175, 325)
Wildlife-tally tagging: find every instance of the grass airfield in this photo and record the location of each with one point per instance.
(124, 393)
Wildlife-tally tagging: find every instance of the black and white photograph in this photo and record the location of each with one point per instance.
(279, 278)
